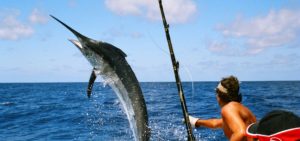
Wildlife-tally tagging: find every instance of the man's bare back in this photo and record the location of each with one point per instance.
(236, 118)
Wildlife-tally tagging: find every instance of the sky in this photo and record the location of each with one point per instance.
(252, 39)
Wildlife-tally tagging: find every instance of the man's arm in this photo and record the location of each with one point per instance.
(210, 123)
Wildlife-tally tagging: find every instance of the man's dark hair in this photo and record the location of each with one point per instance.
(232, 85)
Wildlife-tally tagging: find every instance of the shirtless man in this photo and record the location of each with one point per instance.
(235, 116)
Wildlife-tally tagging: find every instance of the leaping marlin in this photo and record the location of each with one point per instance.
(109, 62)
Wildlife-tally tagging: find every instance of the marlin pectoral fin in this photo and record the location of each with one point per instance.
(91, 83)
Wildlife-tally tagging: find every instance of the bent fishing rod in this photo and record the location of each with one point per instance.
(178, 81)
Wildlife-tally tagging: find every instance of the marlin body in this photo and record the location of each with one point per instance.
(109, 62)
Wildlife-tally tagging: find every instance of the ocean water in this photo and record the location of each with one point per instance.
(62, 111)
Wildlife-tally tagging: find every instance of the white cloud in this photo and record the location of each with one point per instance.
(277, 28)
(176, 11)
(225, 48)
(12, 29)
(217, 46)
(38, 17)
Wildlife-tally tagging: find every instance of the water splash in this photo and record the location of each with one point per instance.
(111, 79)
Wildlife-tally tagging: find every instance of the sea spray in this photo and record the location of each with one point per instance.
(114, 82)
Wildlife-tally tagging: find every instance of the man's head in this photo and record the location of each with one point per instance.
(228, 89)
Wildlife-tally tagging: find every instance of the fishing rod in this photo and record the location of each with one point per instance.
(178, 81)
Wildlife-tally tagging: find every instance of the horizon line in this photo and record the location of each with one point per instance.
(154, 81)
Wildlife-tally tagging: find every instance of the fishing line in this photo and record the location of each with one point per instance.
(186, 69)
(156, 44)
(192, 81)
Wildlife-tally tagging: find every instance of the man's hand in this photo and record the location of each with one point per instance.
(193, 121)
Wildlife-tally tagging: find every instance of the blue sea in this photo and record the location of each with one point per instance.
(62, 111)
